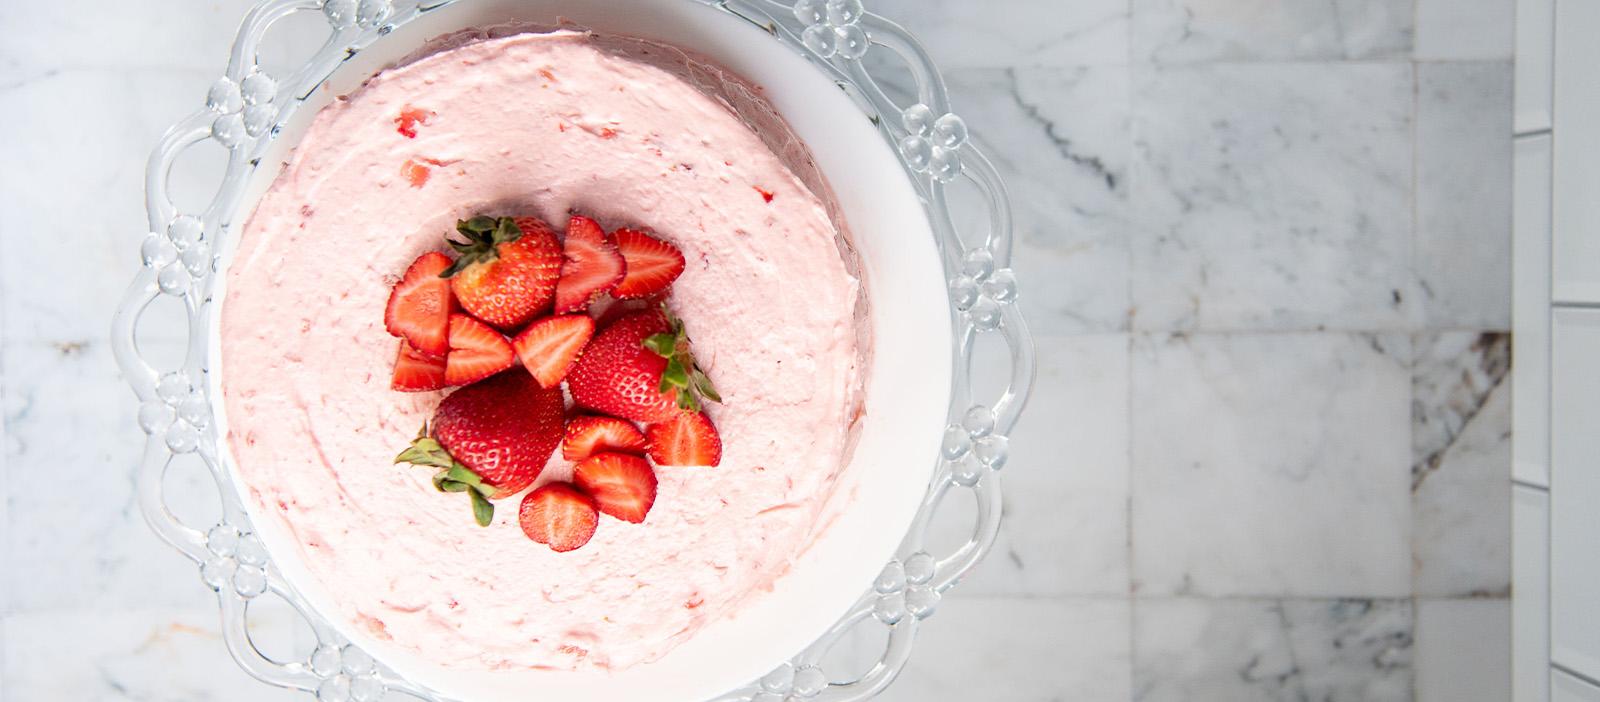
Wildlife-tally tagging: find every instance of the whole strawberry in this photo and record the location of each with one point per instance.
(491, 439)
(640, 368)
(507, 271)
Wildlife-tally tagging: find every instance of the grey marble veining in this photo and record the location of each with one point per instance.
(1353, 650)
(1270, 465)
(1272, 196)
(1461, 445)
(1189, 31)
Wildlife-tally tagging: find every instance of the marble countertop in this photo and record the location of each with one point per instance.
(1265, 248)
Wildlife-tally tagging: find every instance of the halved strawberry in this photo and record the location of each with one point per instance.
(590, 265)
(417, 372)
(689, 439)
(477, 351)
(652, 264)
(592, 434)
(622, 486)
(558, 515)
(420, 305)
(549, 346)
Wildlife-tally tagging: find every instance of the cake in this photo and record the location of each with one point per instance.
(563, 138)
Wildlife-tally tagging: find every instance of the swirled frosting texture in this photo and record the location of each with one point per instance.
(541, 124)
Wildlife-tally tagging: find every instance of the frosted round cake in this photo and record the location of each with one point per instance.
(538, 127)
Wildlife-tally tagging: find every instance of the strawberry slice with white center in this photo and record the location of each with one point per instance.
(477, 351)
(651, 264)
(549, 347)
(592, 434)
(415, 371)
(559, 515)
(622, 486)
(689, 439)
(420, 305)
(590, 265)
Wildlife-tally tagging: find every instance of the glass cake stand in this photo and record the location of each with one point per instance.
(244, 112)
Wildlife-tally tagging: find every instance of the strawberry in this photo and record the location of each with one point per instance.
(415, 371)
(592, 434)
(640, 368)
(558, 515)
(420, 305)
(590, 265)
(651, 264)
(491, 439)
(477, 351)
(507, 271)
(622, 486)
(609, 309)
(689, 439)
(549, 346)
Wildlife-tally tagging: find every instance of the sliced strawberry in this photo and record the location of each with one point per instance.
(477, 351)
(590, 265)
(420, 305)
(651, 264)
(417, 372)
(690, 439)
(549, 346)
(622, 486)
(558, 515)
(592, 434)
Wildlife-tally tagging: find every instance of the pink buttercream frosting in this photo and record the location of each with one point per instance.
(540, 124)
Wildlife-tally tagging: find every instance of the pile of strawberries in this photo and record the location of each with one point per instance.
(585, 309)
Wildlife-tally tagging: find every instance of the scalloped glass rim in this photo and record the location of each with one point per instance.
(243, 112)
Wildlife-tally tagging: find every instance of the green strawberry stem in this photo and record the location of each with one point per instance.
(682, 376)
(483, 235)
(452, 476)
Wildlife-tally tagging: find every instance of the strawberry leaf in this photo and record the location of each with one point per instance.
(483, 235)
(482, 510)
(663, 344)
(426, 451)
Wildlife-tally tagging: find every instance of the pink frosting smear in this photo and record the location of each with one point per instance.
(543, 125)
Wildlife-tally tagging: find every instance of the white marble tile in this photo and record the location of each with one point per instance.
(1271, 464)
(71, 513)
(1059, 138)
(1272, 196)
(988, 648)
(1461, 464)
(1463, 650)
(1065, 530)
(1464, 194)
(1014, 32)
(109, 34)
(171, 655)
(1193, 31)
(70, 298)
(1464, 29)
(1199, 650)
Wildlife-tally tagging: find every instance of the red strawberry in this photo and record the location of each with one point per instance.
(622, 486)
(652, 264)
(549, 346)
(507, 271)
(491, 439)
(415, 371)
(590, 265)
(589, 435)
(420, 305)
(609, 309)
(690, 439)
(640, 368)
(558, 515)
(477, 351)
